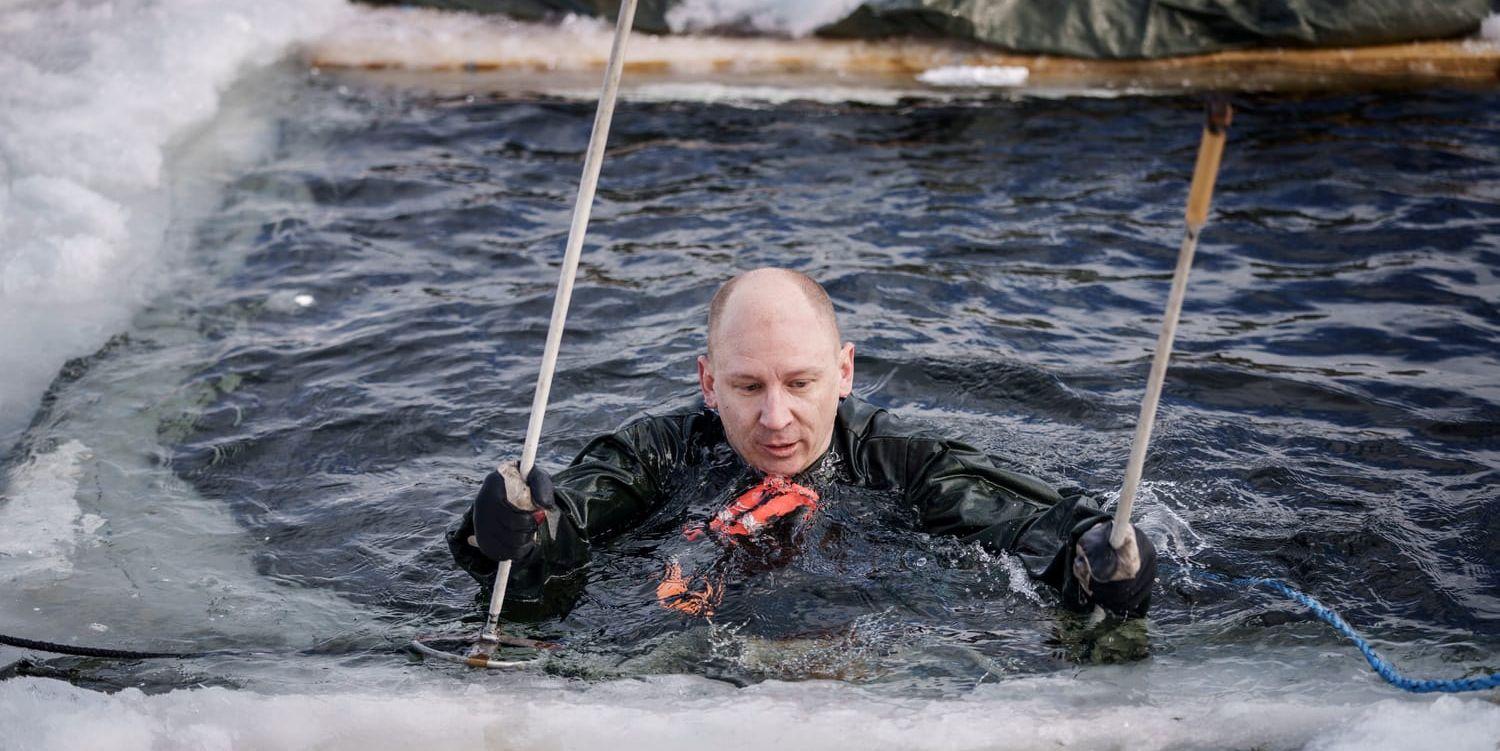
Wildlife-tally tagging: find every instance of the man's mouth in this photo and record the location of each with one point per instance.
(780, 450)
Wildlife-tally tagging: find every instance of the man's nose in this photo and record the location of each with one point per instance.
(775, 412)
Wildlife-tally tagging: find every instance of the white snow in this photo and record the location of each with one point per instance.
(96, 95)
(794, 17)
(975, 75)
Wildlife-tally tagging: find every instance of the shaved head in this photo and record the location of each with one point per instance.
(775, 369)
(767, 287)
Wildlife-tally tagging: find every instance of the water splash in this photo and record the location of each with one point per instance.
(1170, 532)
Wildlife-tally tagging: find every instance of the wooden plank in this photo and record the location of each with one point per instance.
(1423, 64)
(431, 41)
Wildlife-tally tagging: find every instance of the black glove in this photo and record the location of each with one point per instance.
(507, 513)
(1117, 579)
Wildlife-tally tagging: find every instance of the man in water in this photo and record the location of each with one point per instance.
(776, 385)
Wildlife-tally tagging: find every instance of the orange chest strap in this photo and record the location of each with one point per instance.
(774, 498)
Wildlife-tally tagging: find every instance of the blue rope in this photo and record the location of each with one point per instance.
(1381, 666)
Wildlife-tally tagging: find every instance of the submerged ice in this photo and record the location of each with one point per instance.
(41, 525)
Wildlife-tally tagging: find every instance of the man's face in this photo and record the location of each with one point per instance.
(776, 375)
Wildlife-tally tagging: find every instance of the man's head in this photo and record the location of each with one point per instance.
(775, 368)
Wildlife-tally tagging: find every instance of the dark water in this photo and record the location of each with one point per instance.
(1331, 417)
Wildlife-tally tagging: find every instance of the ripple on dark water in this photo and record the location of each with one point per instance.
(1331, 417)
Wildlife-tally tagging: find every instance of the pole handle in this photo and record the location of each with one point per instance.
(1210, 153)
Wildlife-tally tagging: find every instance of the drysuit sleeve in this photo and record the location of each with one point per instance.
(613, 484)
(961, 491)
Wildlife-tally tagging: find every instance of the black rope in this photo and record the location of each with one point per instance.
(67, 649)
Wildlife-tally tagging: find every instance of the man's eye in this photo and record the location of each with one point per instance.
(750, 388)
(801, 384)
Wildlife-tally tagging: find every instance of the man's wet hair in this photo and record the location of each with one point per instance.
(815, 293)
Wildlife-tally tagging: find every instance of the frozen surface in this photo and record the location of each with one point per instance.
(673, 713)
(96, 95)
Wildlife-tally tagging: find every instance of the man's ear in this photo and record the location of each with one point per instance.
(846, 370)
(706, 382)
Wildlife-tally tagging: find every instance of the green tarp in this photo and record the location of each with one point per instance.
(1090, 28)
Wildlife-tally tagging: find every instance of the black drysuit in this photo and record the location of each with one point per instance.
(620, 480)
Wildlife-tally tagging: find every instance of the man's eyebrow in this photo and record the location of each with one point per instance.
(802, 372)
